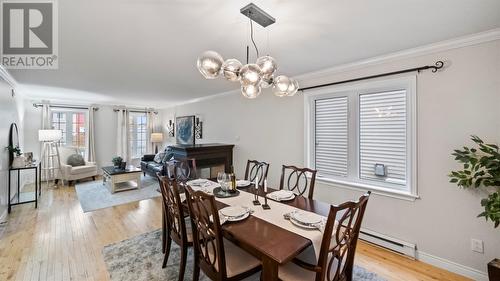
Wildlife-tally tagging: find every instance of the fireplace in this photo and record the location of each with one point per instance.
(211, 158)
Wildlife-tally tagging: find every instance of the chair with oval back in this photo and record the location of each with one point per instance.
(181, 169)
(338, 246)
(256, 168)
(176, 227)
(297, 180)
(219, 258)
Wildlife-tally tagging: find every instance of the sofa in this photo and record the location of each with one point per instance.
(150, 167)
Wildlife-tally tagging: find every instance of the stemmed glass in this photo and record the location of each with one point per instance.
(222, 179)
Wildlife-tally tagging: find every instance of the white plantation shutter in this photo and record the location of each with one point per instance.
(331, 136)
(383, 136)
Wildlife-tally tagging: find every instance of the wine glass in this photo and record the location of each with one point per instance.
(220, 177)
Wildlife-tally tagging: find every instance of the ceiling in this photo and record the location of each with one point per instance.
(143, 52)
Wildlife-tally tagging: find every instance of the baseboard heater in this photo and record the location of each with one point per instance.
(391, 243)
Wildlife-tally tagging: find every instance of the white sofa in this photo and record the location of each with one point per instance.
(69, 173)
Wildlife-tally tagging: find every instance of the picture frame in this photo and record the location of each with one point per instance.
(184, 130)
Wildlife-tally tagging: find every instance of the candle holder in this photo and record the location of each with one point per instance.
(256, 201)
(265, 206)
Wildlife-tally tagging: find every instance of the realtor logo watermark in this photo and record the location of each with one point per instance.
(29, 34)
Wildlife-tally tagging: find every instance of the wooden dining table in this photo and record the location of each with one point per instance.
(273, 245)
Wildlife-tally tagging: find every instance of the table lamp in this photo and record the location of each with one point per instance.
(156, 138)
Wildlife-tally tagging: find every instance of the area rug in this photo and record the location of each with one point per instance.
(140, 258)
(94, 195)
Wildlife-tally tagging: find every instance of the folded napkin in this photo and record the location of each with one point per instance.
(279, 195)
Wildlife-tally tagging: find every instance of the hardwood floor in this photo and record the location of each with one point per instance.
(58, 241)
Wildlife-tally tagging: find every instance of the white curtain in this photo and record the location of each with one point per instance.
(44, 155)
(151, 127)
(91, 157)
(122, 141)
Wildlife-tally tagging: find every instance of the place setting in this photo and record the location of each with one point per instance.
(234, 214)
(306, 220)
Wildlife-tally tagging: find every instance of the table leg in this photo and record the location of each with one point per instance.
(138, 179)
(36, 187)
(39, 171)
(18, 185)
(8, 196)
(269, 269)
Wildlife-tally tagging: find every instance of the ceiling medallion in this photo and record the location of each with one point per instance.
(252, 76)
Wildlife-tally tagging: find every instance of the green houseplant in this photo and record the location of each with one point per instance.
(14, 149)
(117, 160)
(481, 169)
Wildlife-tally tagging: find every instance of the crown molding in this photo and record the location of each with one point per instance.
(455, 43)
(5, 75)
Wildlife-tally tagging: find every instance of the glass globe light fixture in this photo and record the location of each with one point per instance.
(267, 65)
(281, 84)
(250, 74)
(231, 69)
(250, 91)
(266, 82)
(209, 64)
(292, 88)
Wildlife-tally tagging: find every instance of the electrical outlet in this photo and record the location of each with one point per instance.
(476, 245)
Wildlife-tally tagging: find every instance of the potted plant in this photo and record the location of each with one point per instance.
(18, 160)
(117, 161)
(481, 169)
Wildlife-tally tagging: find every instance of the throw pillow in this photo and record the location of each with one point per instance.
(75, 160)
(158, 157)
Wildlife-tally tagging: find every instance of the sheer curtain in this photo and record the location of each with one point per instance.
(44, 155)
(91, 157)
(122, 141)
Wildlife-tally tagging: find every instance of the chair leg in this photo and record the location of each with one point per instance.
(182, 268)
(196, 269)
(163, 232)
(93, 178)
(167, 252)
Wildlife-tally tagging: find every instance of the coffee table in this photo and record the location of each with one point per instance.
(121, 179)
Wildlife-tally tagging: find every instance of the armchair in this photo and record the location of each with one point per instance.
(70, 173)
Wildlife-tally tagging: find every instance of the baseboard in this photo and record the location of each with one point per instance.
(3, 216)
(452, 266)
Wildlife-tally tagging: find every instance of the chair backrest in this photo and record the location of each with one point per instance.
(172, 208)
(207, 234)
(181, 169)
(65, 152)
(340, 238)
(296, 179)
(256, 168)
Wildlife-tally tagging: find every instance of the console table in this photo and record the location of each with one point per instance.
(206, 155)
(38, 184)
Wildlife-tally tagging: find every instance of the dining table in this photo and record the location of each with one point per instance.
(267, 239)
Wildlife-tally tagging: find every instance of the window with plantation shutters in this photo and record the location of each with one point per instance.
(331, 136)
(382, 136)
(364, 136)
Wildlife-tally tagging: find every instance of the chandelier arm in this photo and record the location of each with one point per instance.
(251, 37)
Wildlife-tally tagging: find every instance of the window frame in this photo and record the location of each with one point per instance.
(353, 92)
(68, 134)
(133, 115)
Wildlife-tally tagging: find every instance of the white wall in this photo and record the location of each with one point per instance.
(461, 100)
(11, 111)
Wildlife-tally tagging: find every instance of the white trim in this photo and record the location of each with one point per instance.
(459, 42)
(452, 266)
(223, 94)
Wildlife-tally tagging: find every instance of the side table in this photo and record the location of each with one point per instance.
(36, 165)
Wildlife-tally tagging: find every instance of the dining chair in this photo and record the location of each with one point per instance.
(338, 246)
(219, 258)
(182, 170)
(176, 227)
(256, 168)
(297, 180)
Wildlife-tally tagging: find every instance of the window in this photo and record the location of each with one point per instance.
(363, 136)
(137, 133)
(73, 126)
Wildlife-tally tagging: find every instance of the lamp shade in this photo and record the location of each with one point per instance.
(156, 137)
(49, 135)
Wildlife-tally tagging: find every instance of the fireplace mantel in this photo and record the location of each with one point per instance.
(206, 155)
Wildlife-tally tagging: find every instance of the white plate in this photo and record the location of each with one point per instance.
(223, 218)
(233, 211)
(242, 183)
(302, 225)
(281, 195)
(197, 182)
(306, 218)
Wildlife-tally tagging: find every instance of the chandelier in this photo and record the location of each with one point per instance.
(252, 76)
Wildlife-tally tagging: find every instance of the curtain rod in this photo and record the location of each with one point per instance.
(36, 105)
(438, 65)
(138, 111)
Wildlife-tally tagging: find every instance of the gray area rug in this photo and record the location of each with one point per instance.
(94, 195)
(140, 258)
